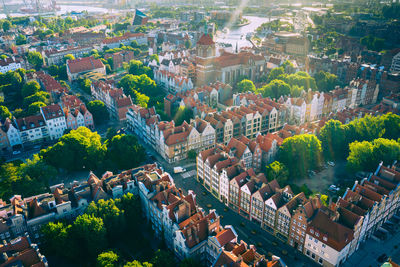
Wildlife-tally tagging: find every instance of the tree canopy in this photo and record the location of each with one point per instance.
(278, 171)
(125, 151)
(246, 86)
(98, 110)
(30, 88)
(79, 149)
(36, 59)
(325, 81)
(365, 156)
(107, 259)
(300, 153)
(275, 89)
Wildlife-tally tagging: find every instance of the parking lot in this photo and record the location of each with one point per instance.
(376, 250)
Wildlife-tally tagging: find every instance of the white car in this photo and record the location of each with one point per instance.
(331, 163)
(334, 188)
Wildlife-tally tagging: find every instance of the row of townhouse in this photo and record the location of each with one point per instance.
(114, 99)
(328, 235)
(334, 235)
(312, 106)
(263, 117)
(172, 142)
(48, 125)
(188, 231)
(172, 82)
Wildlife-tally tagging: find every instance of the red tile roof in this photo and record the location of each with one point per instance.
(84, 64)
(206, 39)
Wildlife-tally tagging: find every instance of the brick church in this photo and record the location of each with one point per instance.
(227, 67)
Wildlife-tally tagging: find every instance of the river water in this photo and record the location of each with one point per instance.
(238, 35)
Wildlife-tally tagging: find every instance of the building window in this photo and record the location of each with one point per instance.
(308, 252)
(320, 260)
(313, 256)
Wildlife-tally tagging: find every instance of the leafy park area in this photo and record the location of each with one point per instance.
(78, 150)
(283, 81)
(362, 144)
(110, 233)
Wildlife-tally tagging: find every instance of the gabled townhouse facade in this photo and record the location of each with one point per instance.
(33, 130)
(115, 100)
(55, 120)
(76, 113)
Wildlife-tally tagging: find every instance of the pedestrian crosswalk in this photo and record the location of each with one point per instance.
(189, 174)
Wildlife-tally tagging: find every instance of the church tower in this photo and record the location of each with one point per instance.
(205, 56)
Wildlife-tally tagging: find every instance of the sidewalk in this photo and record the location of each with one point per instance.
(370, 250)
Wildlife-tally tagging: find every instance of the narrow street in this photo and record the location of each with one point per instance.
(247, 230)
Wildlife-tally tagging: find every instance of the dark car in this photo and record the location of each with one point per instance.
(382, 258)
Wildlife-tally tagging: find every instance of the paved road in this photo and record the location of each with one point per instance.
(251, 233)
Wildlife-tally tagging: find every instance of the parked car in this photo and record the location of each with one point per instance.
(16, 152)
(179, 169)
(331, 163)
(382, 258)
(334, 188)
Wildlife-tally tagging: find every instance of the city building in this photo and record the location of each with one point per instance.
(80, 66)
(55, 120)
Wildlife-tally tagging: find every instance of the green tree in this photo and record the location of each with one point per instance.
(192, 154)
(391, 123)
(9, 175)
(30, 88)
(107, 259)
(278, 171)
(141, 99)
(5, 113)
(6, 25)
(188, 44)
(190, 262)
(325, 81)
(182, 114)
(113, 217)
(79, 149)
(34, 108)
(300, 153)
(365, 156)
(163, 258)
(333, 139)
(136, 67)
(68, 57)
(295, 91)
(138, 264)
(20, 40)
(131, 206)
(40, 96)
(55, 235)
(275, 89)
(246, 86)
(143, 84)
(155, 57)
(125, 151)
(88, 236)
(301, 79)
(85, 85)
(275, 73)
(36, 59)
(98, 110)
(34, 177)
